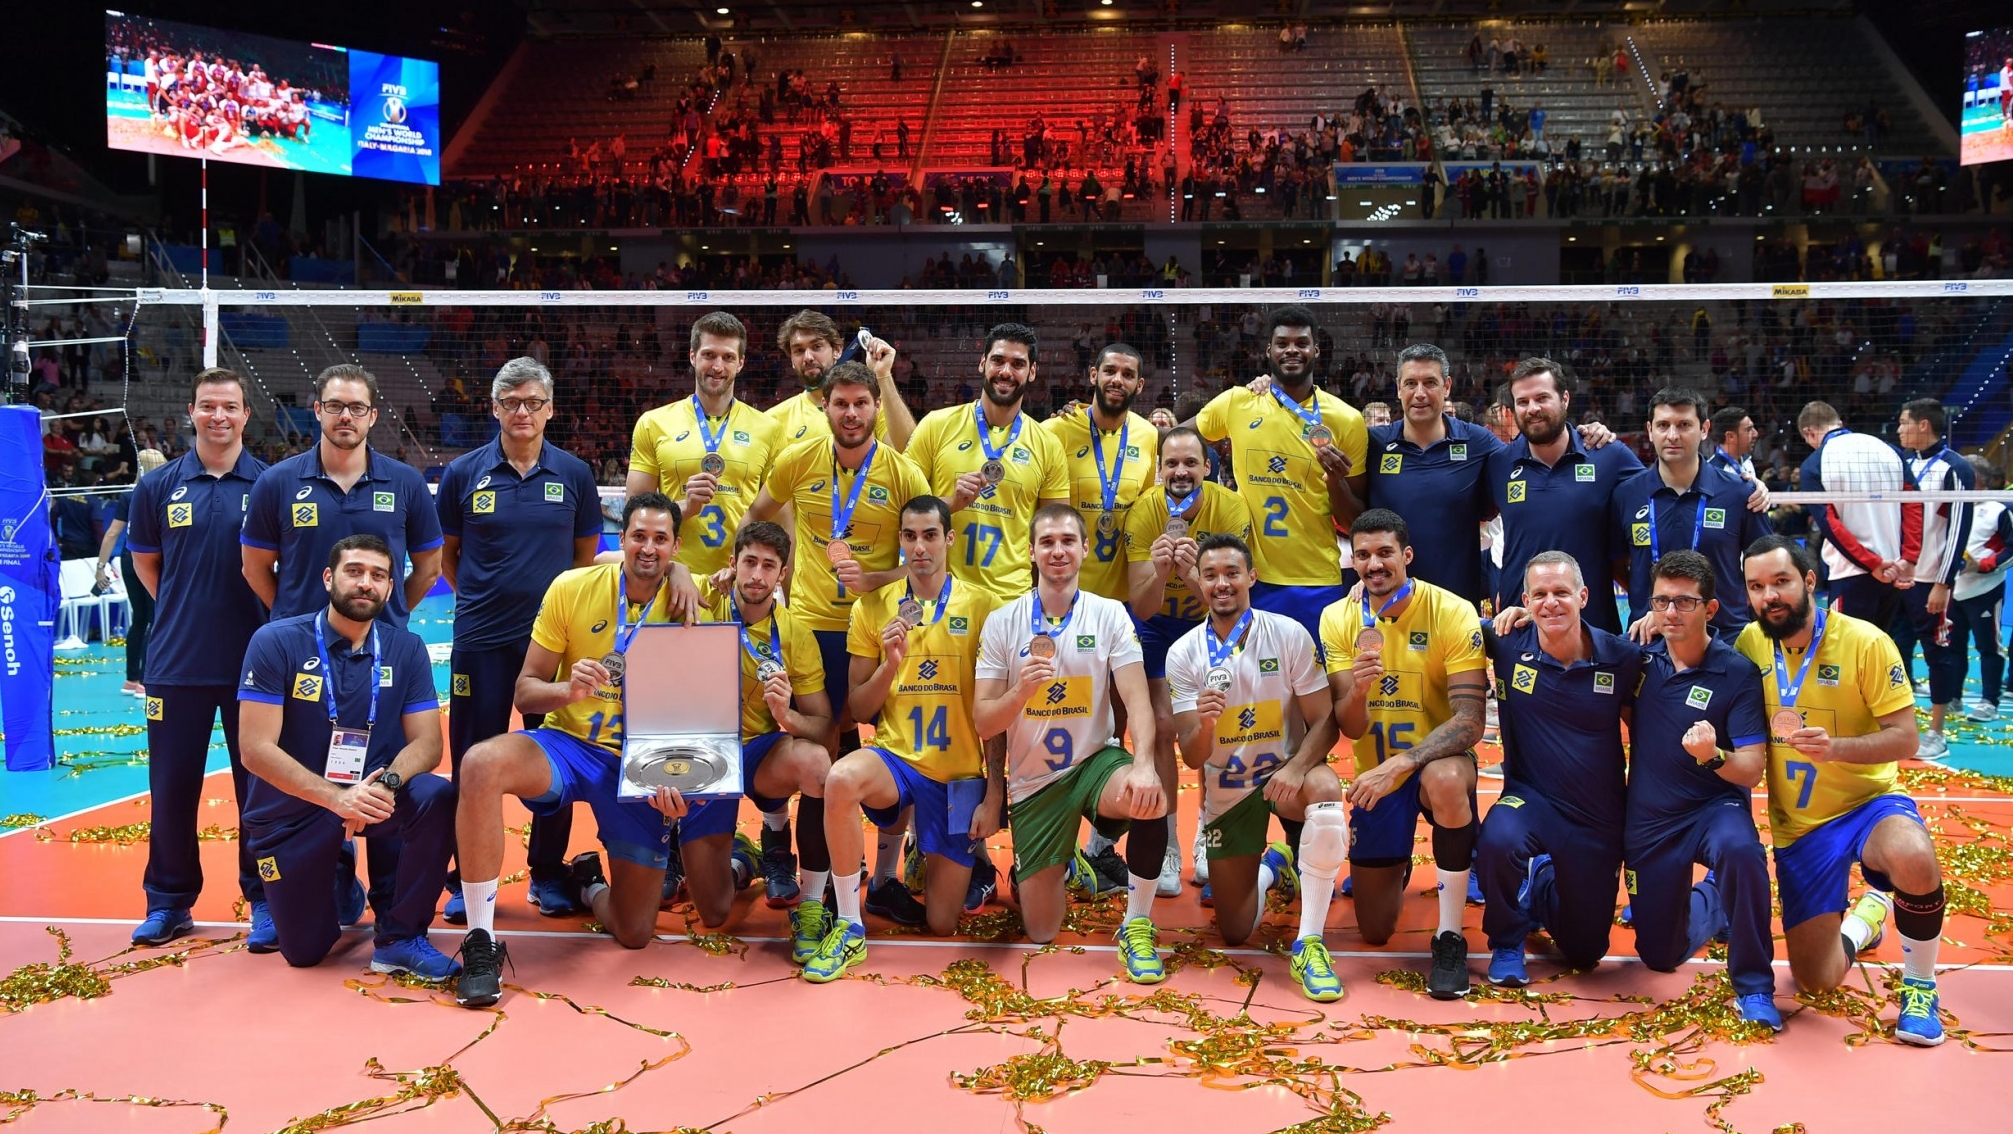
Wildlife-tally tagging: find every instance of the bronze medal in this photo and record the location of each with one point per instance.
(1107, 523)
(838, 552)
(1785, 721)
(1370, 639)
(911, 612)
(1320, 436)
(993, 471)
(1177, 528)
(712, 464)
(1042, 646)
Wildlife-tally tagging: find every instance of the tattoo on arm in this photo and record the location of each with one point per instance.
(1456, 735)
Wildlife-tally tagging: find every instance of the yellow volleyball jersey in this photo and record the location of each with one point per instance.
(801, 417)
(1104, 564)
(781, 631)
(1281, 480)
(1219, 512)
(1855, 679)
(993, 532)
(578, 620)
(927, 718)
(1438, 636)
(802, 478)
(669, 446)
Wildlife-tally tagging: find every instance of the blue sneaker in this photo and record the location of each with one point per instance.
(1628, 915)
(163, 926)
(1759, 1008)
(265, 936)
(1474, 889)
(553, 897)
(1530, 887)
(983, 885)
(780, 890)
(349, 892)
(747, 859)
(1506, 968)
(456, 912)
(415, 955)
(1348, 886)
(1919, 1023)
(1207, 897)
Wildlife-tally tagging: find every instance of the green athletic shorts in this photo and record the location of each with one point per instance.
(1240, 831)
(1044, 825)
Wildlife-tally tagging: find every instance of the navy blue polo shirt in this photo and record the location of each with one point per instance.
(516, 536)
(1711, 517)
(1561, 725)
(299, 512)
(284, 667)
(1561, 508)
(205, 612)
(1443, 495)
(1667, 787)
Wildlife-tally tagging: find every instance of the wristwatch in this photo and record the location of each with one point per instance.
(391, 782)
(1712, 765)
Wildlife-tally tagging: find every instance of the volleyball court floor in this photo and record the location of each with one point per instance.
(984, 1032)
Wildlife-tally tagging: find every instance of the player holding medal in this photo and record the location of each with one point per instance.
(586, 621)
(1162, 533)
(915, 650)
(994, 466)
(1256, 717)
(812, 343)
(1833, 796)
(710, 452)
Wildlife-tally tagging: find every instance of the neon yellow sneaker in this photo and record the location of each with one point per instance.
(912, 867)
(1136, 941)
(1872, 908)
(809, 923)
(842, 948)
(1315, 970)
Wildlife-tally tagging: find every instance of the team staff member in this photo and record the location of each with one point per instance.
(184, 542)
(1428, 467)
(812, 343)
(994, 465)
(589, 614)
(1698, 745)
(1946, 529)
(1299, 456)
(1840, 715)
(1165, 598)
(1551, 852)
(845, 490)
(1405, 662)
(1553, 492)
(1049, 663)
(1683, 504)
(1732, 438)
(1257, 720)
(513, 515)
(914, 671)
(319, 699)
(784, 718)
(709, 452)
(1870, 549)
(303, 505)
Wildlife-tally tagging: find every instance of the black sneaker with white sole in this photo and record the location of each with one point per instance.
(482, 961)
(1448, 979)
(583, 871)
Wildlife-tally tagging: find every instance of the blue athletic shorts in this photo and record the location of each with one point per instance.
(838, 667)
(1157, 635)
(1814, 873)
(716, 816)
(943, 811)
(1302, 604)
(632, 831)
(1385, 831)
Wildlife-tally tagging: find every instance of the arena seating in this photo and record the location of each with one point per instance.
(1575, 102)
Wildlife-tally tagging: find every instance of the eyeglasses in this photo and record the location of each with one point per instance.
(1684, 603)
(357, 410)
(522, 405)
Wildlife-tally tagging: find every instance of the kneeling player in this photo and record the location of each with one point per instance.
(1048, 663)
(915, 647)
(784, 715)
(1405, 661)
(1255, 715)
(1688, 793)
(1833, 799)
(584, 624)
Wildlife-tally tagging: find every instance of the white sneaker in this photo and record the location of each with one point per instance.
(1199, 858)
(1983, 711)
(1169, 885)
(1932, 747)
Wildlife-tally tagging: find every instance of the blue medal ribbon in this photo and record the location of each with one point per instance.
(1108, 485)
(1310, 416)
(1220, 652)
(943, 599)
(1038, 619)
(1187, 504)
(842, 515)
(623, 631)
(1697, 527)
(775, 636)
(985, 432)
(1788, 691)
(707, 437)
(1369, 619)
(328, 671)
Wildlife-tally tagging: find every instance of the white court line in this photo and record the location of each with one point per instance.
(916, 943)
(88, 810)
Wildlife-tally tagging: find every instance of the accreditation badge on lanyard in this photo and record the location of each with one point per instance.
(349, 747)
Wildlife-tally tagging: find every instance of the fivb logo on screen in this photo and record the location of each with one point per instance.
(394, 101)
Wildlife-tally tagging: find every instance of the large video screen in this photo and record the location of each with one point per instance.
(188, 91)
(1985, 126)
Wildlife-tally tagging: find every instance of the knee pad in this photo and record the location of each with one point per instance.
(1324, 840)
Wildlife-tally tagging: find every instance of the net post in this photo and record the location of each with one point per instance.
(210, 328)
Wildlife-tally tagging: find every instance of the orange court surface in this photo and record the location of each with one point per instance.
(981, 1033)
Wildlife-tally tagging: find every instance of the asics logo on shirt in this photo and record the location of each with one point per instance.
(304, 493)
(598, 627)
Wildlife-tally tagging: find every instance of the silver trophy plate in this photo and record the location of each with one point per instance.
(681, 711)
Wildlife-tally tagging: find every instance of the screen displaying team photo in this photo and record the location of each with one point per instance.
(1985, 124)
(187, 91)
